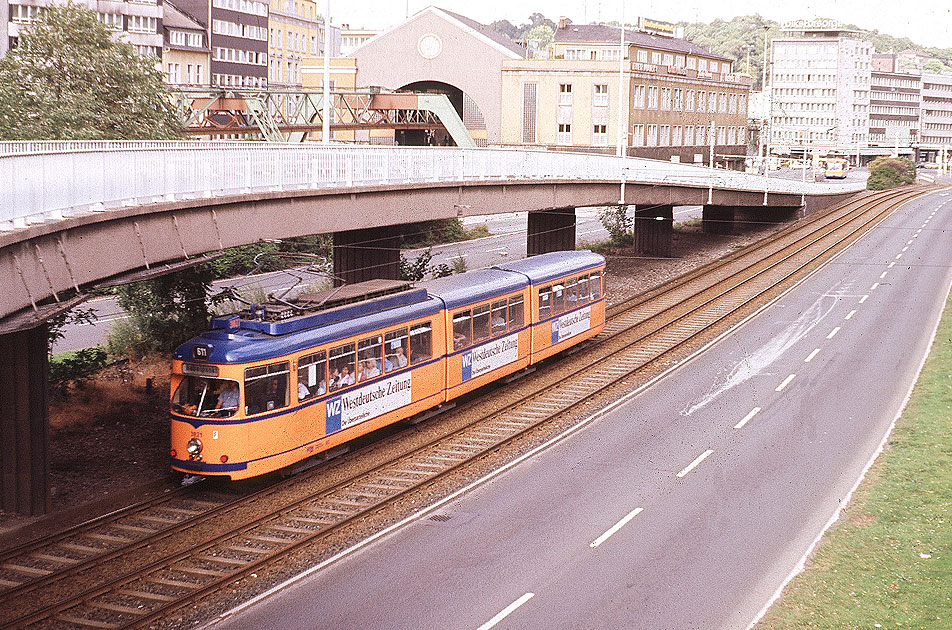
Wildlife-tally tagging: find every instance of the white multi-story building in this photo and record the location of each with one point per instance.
(819, 88)
(138, 22)
(936, 123)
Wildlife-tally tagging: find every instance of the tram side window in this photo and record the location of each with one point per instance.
(266, 387)
(421, 342)
(341, 365)
(545, 303)
(369, 358)
(462, 329)
(596, 283)
(396, 350)
(312, 375)
(558, 299)
(515, 312)
(499, 317)
(481, 329)
(583, 290)
(571, 294)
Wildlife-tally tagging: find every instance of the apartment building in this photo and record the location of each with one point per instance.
(353, 38)
(138, 22)
(936, 123)
(819, 88)
(295, 31)
(894, 101)
(186, 57)
(677, 97)
(238, 39)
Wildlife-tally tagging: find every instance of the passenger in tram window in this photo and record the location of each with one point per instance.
(228, 398)
(462, 329)
(558, 299)
(399, 359)
(276, 397)
(421, 343)
(571, 297)
(346, 378)
(583, 290)
(499, 317)
(334, 379)
(303, 392)
(370, 369)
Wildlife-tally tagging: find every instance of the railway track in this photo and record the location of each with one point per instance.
(200, 555)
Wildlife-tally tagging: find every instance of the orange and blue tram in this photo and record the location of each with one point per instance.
(277, 383)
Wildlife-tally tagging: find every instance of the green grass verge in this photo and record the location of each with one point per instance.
(887, 562)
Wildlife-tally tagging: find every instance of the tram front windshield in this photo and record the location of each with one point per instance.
(206, 397)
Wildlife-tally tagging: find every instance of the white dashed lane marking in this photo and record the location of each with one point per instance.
(614, 528)
(747, 418)
(700, 458)
(505, 612)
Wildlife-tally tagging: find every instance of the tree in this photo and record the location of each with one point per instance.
(68, 79)
(507, 28)
(541, 34)
(888, 172)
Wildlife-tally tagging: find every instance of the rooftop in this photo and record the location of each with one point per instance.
(605, 34)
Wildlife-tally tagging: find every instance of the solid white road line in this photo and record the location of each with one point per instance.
(785, 382)
(747, 418)
(692, 465)
(850, 314)
(863, 299)
(811, 355)
(505, 612)
(833, 332)
(616, 527)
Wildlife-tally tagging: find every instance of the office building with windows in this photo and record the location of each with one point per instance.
(677, 97)
(295, 31)
(819, 87)
(185, 57)
(138, 22)
(238, 39)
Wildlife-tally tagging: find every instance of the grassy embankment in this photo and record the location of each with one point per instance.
(887, 563)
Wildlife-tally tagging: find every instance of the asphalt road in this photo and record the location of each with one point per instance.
(686, 506)
(508, 242)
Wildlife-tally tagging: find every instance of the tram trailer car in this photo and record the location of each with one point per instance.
(278, 383)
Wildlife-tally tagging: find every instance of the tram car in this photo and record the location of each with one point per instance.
(270, 386)
(835, 168)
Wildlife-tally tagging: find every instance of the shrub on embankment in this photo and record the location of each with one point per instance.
(889, 172)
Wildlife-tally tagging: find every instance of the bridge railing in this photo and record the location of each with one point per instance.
(42, 181)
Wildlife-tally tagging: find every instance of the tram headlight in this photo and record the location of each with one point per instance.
(194, 448)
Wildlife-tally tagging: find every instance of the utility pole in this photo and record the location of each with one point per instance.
(622, 123)
(766, 102)
(326, 126)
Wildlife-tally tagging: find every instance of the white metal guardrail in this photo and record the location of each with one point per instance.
(48, 181)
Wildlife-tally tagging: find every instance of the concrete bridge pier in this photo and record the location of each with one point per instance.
(368, 254)
(550, 231)
(653, 227)
(24, 421)
(717, 220)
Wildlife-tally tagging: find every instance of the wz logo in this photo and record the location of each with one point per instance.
(334, 408)
(467, 366)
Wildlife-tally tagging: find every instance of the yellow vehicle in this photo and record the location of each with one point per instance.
(835, 168)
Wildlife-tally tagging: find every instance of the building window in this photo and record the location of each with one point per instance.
(702, 65)
(652, 138)
(637, 135)
(565, 94)
(732, 104)
(565, 134)
(652, 97)
(692, 63)
(702, 101)
(722, 135)
(600, 98)
(143, 24)
(689, 101)
(195, 40)
(668, 59)
(639, 97)
(23, 14)
(722, 103)
(689, 136)
(666, 99)
(665, 139)
(113, 22)
(656, 58)
(600, 135)
(678, 104)
(642, 56)
(676, 137)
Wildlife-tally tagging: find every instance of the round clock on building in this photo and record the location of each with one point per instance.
(429, 46)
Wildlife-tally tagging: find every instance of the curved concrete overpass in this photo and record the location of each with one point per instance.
(73, 214)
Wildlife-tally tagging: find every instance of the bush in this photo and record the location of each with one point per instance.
(74, 366)
(618, 224)
(888, 172)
